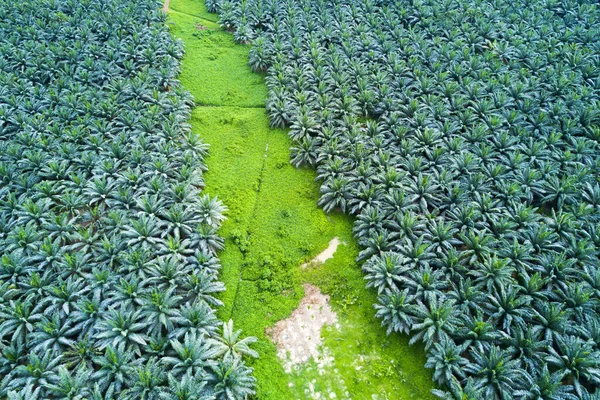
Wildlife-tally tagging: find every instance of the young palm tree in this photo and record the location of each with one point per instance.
(499, 374)
(37, 371)
(548, 385)
(195, 318)
(159, 308)
(189, 387)
(147, 383)
(232, 379)
(229, 344)
(447, 360)
(434, 320)
(192, 357)
(396, 308)
(576, 359)
(114, 369)
(386, 271)
(507, 307)
(69, 386)
(334, 194)
(122, 328)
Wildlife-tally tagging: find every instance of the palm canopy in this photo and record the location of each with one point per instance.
(108, 271)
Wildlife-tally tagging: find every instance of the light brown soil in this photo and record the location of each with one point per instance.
(325, 254)
(298, 337)
(166, 6)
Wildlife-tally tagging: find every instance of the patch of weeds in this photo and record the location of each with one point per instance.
(282, 232)
(203, 32)
(306, 246)
(240, 238)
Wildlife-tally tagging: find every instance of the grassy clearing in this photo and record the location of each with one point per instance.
(192, 8)
(213, 62)
(274, 226)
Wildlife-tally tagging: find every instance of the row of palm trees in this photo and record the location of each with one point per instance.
(108, 269)
(463, 135)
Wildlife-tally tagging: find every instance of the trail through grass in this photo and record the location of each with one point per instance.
(274, 226)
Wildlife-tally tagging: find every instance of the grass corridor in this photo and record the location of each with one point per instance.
(274, 225)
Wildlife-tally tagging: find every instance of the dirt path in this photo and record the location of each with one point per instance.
(166, 6)
(325, 254)
(298, 337)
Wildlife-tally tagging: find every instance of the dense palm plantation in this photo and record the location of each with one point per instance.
(464, 136)
(108, 268)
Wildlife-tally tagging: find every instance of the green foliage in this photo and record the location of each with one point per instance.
(108, 271)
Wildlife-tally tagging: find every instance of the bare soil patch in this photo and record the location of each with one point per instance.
(298, 337)
(325, 254)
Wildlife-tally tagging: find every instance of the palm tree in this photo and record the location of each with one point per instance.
(51, 335)
(259, 54)
(304, 152)
(478, 246)
(178, 221)
(472, 390)
(500, 375)
(232, 379)
(159, 308)
(386, 271)
(186, 388)
(29, 392)
(68, 386)
(37, 371)
(195, 318)
(468, 297)
(395, 308)
(447, 360)
(202, 286)
(210, 211)
(441, 235)
(549, 386)
(507, 307)
(229, 344)
(18, 321)
(434, 320)
(122, 327)
(205, 237)
(147, 383)
(114, 369)
(334, 193)
(577, 360)
(424, 280)
(494, 273)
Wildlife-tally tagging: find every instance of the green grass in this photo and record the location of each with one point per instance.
(273, 226)
(195, 8)
(213, 61)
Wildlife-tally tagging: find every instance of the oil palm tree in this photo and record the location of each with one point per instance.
(386, 271)
(434, 320)
(232, 379)
(229, 343)
(500, 375)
